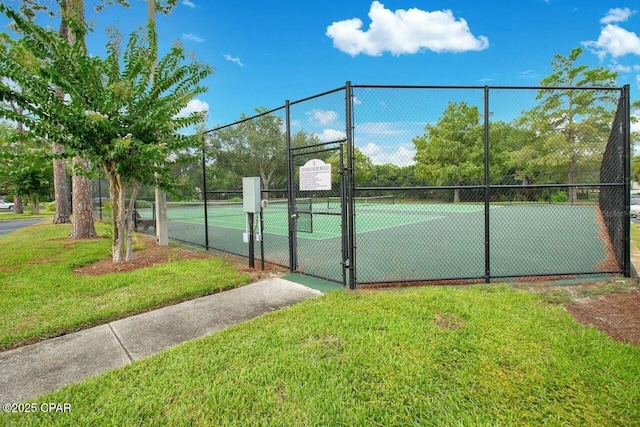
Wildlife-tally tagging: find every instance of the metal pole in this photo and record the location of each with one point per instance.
(204, 198)
(487, 190)
(261, 239)
(343, 215)
(291, 193)
(627, 180)
(350, 189)
(100, 198)
(69, 178)
(251, 254)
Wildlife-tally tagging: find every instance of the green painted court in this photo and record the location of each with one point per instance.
(408, 240)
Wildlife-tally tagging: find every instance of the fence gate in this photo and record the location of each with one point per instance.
(318, 210)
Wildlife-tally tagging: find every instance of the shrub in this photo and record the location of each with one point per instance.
(107, 212)
(559, 197)
(143, 204)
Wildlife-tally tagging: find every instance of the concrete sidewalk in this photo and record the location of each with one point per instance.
(30, 371)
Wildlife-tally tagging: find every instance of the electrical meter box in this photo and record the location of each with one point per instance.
(251, 194)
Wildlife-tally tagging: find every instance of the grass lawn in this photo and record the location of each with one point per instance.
(479, 355)
(635, 234)
(13, 216)
(41, 297)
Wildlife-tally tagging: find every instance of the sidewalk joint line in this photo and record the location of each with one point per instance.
(121, 344)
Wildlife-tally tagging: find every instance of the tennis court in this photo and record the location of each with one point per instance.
(484, 186)
(419, 240)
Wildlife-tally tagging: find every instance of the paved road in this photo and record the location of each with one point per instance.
(13, 225)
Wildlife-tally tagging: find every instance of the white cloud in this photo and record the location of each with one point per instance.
(617, 15)
(621, 68)
(402, 156)
(192, 37)
(404, 32)
(328, 135)
(322, 117)
(527, 74)
(356, 101)
(233, 59)
(193, 106)
(188, 3)
(385, 128)
(614, 41)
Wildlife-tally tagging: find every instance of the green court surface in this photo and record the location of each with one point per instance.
(326, 220)
(404, 241)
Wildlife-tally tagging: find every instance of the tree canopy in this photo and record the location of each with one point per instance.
(451, 152)
(116, 112)
(569, 127)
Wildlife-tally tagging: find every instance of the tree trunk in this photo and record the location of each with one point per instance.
(17, 204)
(83, 226)
(456, 195)
(573, 191)
(132, 203)
(116, 195)
(36, 205)
(60, 189)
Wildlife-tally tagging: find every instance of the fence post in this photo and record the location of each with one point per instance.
(291, 192)
(204, 196)
(351, 214)
(627, 180)
(343, 215)
(487, 190)
(100, 197)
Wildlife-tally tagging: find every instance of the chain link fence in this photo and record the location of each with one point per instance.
(253, 146)
(426, 184)
(317, 130)
(490, 182)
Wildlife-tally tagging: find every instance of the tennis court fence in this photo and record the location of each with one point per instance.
(427, 184)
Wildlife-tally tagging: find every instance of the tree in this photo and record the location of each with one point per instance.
(569, 128)
(9, 48)
(34, 182)
(451, 152)
(362, 166)
(19, 130)
(254, 147)
(391, 175)
(73, 10)
(119, 113)
(635, 136)
(82, 224)
(635, 168)
(7, 138)
(25, 166)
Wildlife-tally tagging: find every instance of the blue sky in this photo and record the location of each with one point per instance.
(265, 52)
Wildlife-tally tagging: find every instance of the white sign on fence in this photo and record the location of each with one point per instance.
(315, 175)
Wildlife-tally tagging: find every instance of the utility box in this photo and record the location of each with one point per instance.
(251, 194)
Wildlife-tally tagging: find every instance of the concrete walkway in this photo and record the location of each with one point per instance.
(30, 371)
